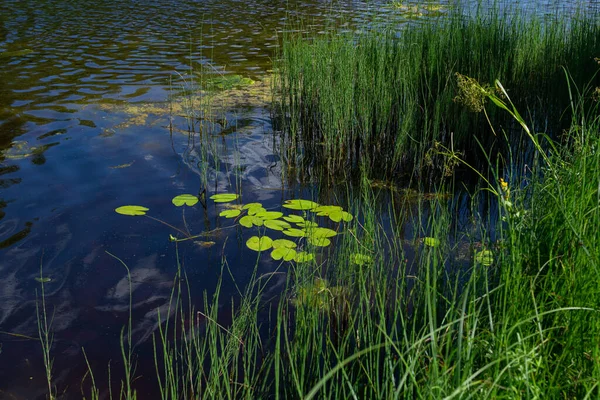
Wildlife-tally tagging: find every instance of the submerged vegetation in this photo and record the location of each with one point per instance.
(504, 307)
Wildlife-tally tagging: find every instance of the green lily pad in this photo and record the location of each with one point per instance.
(251, 205)
(294, 232)
(43, 280)
(276, 224)
(431, 242)
(361, 259)
(259, 243)
(307, 224)
(283, 252)
(484, 257)
(187, 199)
(319, 241)
(323, 211)
(320, 232)
(283, 243)
(338, 216)
(303, 256)
(299, 204)
(230, 213)
(132, 210)
(224, 197)
(269, 215)
(295, 219)
(256, 210)
(246, 221)
(257, 221)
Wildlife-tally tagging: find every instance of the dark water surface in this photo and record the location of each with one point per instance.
(85, 127)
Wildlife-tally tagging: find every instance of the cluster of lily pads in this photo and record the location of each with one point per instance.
(292, 225)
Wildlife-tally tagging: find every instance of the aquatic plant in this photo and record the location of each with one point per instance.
(257, 216)
(379, 101)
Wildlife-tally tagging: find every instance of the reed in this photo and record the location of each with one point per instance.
(383, 99)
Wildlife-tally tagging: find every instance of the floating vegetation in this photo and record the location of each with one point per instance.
(204, 244)
(319, 295)
(121, 166)
(484, 257)
(224, 197)
(15, 53)
(431, 242)
(229, 213)
(361, 259)
(285, 253)
(132, 210)
(226, 82)
(187, 199)
(300, 204)
(20, 149)
(259, 243)
(258, 216)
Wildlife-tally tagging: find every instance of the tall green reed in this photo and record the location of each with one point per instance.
(383, 99)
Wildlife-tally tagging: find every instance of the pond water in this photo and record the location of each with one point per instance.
(93, 117)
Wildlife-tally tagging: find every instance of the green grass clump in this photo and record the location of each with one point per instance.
(517, 318)
(382, 99)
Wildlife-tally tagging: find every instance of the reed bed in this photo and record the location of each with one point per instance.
(382, 100)
(518, 321)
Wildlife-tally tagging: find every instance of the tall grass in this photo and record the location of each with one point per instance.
(384, 99)
(523, 324)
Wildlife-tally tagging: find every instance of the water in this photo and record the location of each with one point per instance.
(85, 127)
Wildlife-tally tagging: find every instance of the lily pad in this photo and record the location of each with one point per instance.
(303, 256)
(299, 204)
(43, 280)
(259, 243)
(187, 199)
(276, 224)
(283, 243)
(307, 224)
(431, 242)
(283, 252)
(320, 232)
(224, 197)
(319, 241)
(294, 232)
(257, 221)
(246, 221)
(269, 215)
(295, 219)
(251, 205)
(323, 211)
(230, 213)
(255, 210)
(131, 210)
(338, 216)
(484, 257)
(361, 259)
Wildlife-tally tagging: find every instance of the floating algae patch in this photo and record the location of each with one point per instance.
(228, 81)
(21, 149)
(416, 10)
(205, 105)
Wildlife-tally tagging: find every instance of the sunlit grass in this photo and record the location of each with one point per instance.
(383, 99)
